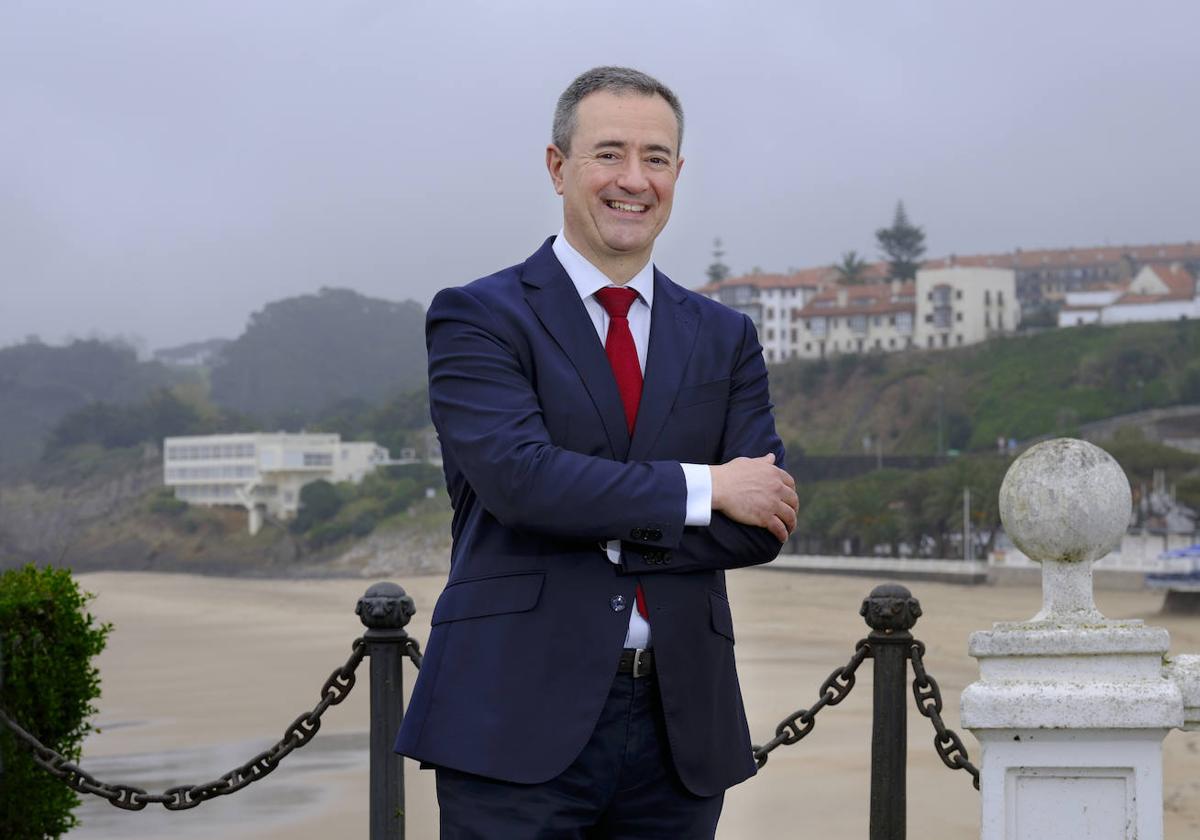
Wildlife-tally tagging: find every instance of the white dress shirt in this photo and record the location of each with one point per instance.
(588, 280)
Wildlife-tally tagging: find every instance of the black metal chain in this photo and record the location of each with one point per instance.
(929, 703)
(833, 691)
(298, 733)
(412, 649)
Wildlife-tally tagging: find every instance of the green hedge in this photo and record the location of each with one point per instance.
(48, 639)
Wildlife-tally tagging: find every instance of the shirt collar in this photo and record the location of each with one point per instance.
(588, 279)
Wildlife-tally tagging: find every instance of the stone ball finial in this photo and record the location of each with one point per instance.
(1066, 503)
(1065, 500)
(385, 606)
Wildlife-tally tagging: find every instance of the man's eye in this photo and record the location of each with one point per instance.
(607, 156)
(657, 161)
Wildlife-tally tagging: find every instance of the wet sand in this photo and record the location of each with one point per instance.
(201, 673)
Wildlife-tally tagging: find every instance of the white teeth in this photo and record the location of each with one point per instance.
(632, 208)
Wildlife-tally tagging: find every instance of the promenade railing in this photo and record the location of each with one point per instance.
(890, 611)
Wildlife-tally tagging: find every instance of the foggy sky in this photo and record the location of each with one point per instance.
(168, 168)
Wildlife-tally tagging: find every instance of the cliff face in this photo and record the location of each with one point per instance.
(42, 521)
(98, 513)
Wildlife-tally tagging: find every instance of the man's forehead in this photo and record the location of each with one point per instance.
(604, 114)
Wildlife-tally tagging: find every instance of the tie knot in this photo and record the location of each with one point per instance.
(616, 302)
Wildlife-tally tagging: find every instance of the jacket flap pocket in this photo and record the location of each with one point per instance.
(706, 392)
(489, 596)
(722, 618)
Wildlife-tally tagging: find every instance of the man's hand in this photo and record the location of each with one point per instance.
(754, 491)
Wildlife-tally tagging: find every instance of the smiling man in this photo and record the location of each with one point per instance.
(609, 451)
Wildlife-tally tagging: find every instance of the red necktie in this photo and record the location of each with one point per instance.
(622, 355)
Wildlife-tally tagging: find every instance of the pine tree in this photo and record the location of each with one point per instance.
(717, 270)
(903, 244)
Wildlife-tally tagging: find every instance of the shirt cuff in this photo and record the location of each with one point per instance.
(699, 494)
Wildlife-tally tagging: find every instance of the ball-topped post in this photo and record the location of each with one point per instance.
(1066, 503)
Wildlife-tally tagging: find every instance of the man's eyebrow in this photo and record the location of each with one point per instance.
(622, 145)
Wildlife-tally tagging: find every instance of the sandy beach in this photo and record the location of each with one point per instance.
(201, 673)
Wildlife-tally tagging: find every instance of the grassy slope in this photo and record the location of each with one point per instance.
(1019, 387)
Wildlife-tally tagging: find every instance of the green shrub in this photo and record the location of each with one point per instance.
(48, 639)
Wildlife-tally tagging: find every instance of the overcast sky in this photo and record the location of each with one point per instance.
(169, 167)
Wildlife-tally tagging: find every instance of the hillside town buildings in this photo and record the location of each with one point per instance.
(961, 300)
(815, 316)
(262, 473)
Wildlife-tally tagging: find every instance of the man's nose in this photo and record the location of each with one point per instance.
(632, 177)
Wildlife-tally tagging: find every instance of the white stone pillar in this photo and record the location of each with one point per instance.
(1070, 708)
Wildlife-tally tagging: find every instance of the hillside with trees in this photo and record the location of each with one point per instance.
(301, 356)
(41, 384)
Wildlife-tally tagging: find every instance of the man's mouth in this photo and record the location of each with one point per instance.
(627, 207)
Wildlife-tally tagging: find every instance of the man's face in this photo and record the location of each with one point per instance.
(618, 182)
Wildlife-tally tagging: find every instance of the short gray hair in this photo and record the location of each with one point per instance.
(614, 80)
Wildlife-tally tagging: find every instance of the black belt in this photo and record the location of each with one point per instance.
(636, 661)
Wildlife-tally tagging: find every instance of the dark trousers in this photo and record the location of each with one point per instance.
(621, 787)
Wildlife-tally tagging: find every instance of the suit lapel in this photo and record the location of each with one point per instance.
(556, 303)
(673, 327)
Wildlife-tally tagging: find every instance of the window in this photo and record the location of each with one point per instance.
(793, 335)
(987, 297)
(904, 321)
(877, 321)
(999, 298)
(770, 333)
(878, 344)
(770, 313)
(943, 317)
(807, 346)
(770, 355)
(858, 323)
(818, 326)
(957, 316)
(959, 338)
(958, 294)
(891, 342)
(987, 320)
(318, 459)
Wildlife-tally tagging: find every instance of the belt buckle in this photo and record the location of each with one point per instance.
(637, 662)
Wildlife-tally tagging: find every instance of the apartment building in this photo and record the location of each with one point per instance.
(1047, 275)
(262, 473)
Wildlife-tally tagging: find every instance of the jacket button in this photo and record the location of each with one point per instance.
(655, 534)
(635, 534)
(617, 602)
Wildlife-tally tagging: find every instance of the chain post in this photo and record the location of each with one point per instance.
(385, 609)
(891, 612)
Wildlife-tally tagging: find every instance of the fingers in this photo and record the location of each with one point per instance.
(787, 513)
(778, 529)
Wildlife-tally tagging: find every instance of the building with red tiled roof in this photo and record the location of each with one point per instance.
(1156, 293)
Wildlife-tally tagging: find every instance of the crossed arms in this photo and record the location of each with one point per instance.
(489, 419)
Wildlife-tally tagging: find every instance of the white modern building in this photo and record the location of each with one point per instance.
(262, 473)
(1156, 293)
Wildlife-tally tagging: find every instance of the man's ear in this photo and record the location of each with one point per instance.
(678, 167)
(555, 160)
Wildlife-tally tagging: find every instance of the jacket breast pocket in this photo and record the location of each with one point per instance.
(722, 617)
(478, 597)
(718, 389)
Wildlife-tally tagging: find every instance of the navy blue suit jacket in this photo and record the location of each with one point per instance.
(540, 470)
